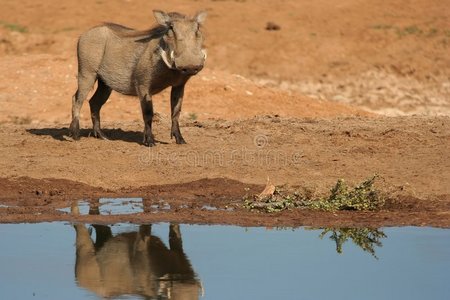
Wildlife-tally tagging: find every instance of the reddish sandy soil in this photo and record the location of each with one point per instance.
(342, 90)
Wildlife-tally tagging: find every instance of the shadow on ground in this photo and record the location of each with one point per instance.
(115, 134)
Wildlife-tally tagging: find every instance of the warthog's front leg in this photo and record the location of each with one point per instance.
(147, 114)
(176, 99)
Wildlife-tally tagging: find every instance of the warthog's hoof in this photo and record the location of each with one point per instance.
(178, 138)
(75, 136)
(100, 135)
(149, 141)
(74, 129)
(149, 144)
(181, 141)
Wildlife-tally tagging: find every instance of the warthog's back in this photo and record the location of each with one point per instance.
(114, 58)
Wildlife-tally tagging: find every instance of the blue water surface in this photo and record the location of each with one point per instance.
(37, 261)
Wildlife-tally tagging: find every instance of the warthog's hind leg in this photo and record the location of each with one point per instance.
(99, 98)
(176, 99)
(85, 83)
(74, 129)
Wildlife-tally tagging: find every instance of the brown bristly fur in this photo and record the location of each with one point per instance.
(126, 32)
(156, 31)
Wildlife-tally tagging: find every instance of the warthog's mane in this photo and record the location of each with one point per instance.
(146, 35)
(140, 35)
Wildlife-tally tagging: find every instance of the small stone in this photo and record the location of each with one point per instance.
(270, 26)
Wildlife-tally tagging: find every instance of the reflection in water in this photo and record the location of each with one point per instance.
(134, 263)
(234, 263)
(365, 238)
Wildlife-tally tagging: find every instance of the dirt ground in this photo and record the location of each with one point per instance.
(341, 90)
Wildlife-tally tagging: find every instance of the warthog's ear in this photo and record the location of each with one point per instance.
(200, 17)
(161, 17)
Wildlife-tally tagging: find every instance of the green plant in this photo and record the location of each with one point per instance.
(362, 197)
(20, 120)
(274, 203)
(64, 29)
(408, 30)
(193, 116)
(381, 26)
(14, 27)
(432, 32)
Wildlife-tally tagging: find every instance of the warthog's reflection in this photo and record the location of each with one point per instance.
(134, 263)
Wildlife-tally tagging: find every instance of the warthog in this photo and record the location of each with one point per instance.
(139, 63)
(134, 263)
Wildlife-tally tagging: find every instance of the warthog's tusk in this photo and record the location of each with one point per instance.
(205, 54)
(166, 59)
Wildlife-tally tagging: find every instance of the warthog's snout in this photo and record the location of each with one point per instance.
(190, 64)
(190, 70)
(187, 63)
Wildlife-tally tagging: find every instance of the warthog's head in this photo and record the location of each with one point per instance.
(182, 45)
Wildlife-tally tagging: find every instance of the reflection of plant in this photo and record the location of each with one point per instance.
(365, 238)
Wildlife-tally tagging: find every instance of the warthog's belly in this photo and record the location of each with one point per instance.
(118, 81)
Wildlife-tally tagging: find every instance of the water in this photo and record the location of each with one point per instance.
(40, 261)
(111, 206)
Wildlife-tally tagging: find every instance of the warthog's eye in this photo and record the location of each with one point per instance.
(170, 28)
(171, 33)
(197, 32)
